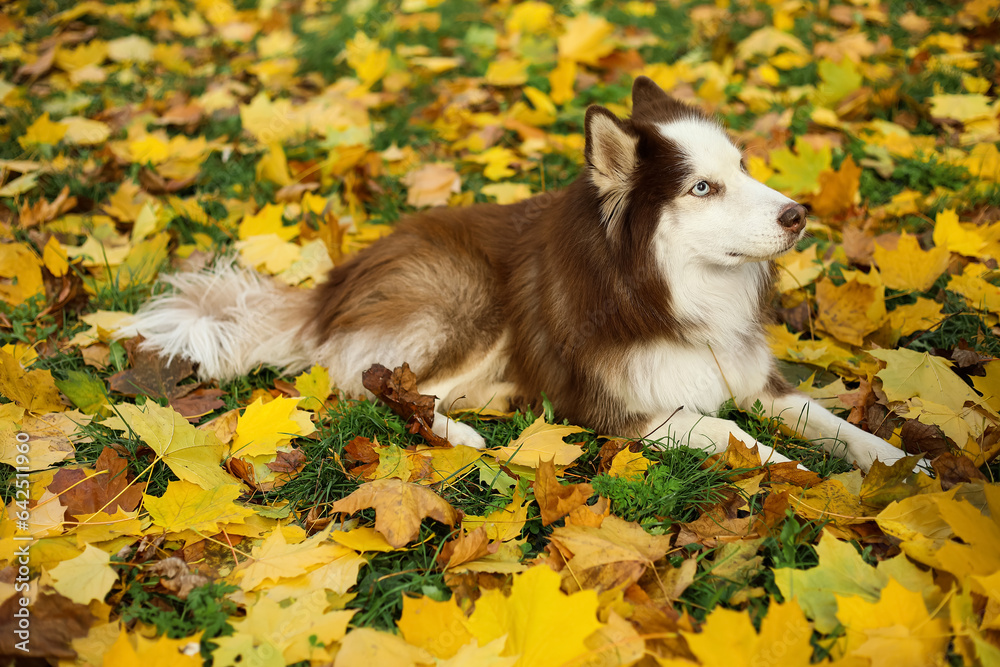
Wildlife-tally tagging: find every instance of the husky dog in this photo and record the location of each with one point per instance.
(635, 298)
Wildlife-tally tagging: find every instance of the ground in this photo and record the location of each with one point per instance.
(151, 516)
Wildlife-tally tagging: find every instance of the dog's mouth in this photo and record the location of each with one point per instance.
(762, 258)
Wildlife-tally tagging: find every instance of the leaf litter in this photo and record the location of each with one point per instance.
(277, 516)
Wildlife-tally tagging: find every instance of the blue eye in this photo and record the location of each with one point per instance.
(701, 188)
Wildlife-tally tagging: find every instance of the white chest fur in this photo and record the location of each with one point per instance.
(663, 376)
(725, 356)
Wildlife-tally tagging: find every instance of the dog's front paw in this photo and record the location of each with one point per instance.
(457, 433)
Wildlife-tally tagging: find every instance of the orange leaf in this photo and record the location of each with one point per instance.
(399, 508)
(554, 499)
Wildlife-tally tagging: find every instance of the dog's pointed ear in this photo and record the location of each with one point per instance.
(645, 92)
(610, 152)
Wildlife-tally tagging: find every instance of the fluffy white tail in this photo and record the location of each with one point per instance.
(227, 319)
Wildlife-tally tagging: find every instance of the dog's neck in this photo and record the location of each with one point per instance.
(720, 306)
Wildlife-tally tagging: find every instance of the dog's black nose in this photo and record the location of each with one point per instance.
(793, 218)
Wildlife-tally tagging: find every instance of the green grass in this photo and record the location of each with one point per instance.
(675, 489)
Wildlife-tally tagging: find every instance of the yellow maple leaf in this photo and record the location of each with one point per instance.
(507, 72)
(507, 193)
(43, 131)
(269, 625)
(431, 184)
(989, 385)
(274, 166)
(535, 612)
(367, 646)
(22, 265)
(264, 426)
(852, 310)
(159, 652)
(85, 131)
(276, 559)
(92, 53)
(449, 464)
(798, 268)
(561, 80)
(192, 454)
(87, 577)
(628, 465)
(837, 80)
(586, 39)
(52, 435)
(437, 627)
(953, 236)
(981, 294)
(529, 17)
(268, 121)
(32, 390)
(908, 267)
(131, 48)
(399, 508)
(913, 317)
(268, 253)
(798, 172)
(964, 108)
(727, 638)
(909, 374)
(268, 220)
(540, 442)
(186, 506)
(838, 190)
(362, 538)
(504, 524)
(497, 160)
(896, 630)
(54, 257)
(314, 386)
(368, 60)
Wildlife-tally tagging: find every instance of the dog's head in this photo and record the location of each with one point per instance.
(671, 176)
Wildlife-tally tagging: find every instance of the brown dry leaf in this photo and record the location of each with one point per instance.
(556, 500)
(176, 577)
(151, 374)
(859, 401)
(468, 546)
(198, 403)
(954, 469)
(920, 438)
(55, 622)
(104, 491)
(398, 390)
(43, 211)
(399, 508)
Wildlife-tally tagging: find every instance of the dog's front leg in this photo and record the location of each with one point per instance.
(816, 423)
(711, 434)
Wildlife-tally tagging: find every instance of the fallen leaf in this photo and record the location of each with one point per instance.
(538, 442)
(87, 577)
(398, 390)
(399, 508)
(186, 506)
(554, 499)
(536, 612)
